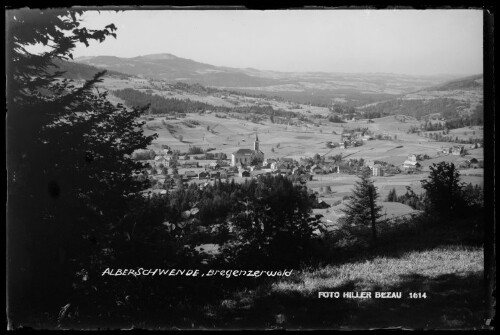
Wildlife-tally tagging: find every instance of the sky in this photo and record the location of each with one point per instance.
(415, 42)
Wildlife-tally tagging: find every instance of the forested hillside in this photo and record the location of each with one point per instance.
(161, 105)
(81, 71)
(418, 108)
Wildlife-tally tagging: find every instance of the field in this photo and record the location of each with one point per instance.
(277, 140)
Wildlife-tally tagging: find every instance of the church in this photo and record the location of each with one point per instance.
(247, 156)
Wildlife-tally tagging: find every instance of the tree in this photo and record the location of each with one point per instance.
(443, 191)
(70, 171)
(392, 196)
(361, 209)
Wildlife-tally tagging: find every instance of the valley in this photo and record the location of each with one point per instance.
(293, 128)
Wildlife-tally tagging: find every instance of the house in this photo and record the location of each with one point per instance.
(219, 155)
(279, 165)
(307, 176)
(268, 161)
(457, 150)
(244, 173)
(366, 138)
(297, 170)
(316, 169)
(203, 175)
(190, 164)
(247, 156)
(412, 158)
(345, 137)
(190, 174)
(446, 150)
(410, 166)
(322, 204)
(214, 166)
(463, 164)
(475, 165)
(377, 170)
(214, 174)
(159, 158)
(285, 172)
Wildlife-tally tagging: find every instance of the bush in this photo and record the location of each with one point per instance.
(194, 150)
(142, 155)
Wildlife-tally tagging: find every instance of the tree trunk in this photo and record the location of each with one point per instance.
(372, 211)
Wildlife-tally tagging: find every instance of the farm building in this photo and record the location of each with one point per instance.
(246, 156)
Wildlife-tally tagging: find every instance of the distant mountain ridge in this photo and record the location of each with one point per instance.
(172, 68)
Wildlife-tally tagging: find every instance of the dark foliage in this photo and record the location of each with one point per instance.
(419, 108)
(69, 166)
(446, 196)
(361, 209)
(161, 105)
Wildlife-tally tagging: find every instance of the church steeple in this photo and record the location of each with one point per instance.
(256, 143)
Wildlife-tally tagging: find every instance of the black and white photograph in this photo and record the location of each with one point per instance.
(212, 168)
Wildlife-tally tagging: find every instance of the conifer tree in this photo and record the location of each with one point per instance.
(361, 209)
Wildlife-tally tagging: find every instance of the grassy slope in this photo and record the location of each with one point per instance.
(443, 262)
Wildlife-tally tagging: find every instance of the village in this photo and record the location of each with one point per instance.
(168, 169)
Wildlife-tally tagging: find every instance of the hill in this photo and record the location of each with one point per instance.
(79, 71)
(315, 88)
(468, 83)
(455, 99)
(172, 68)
